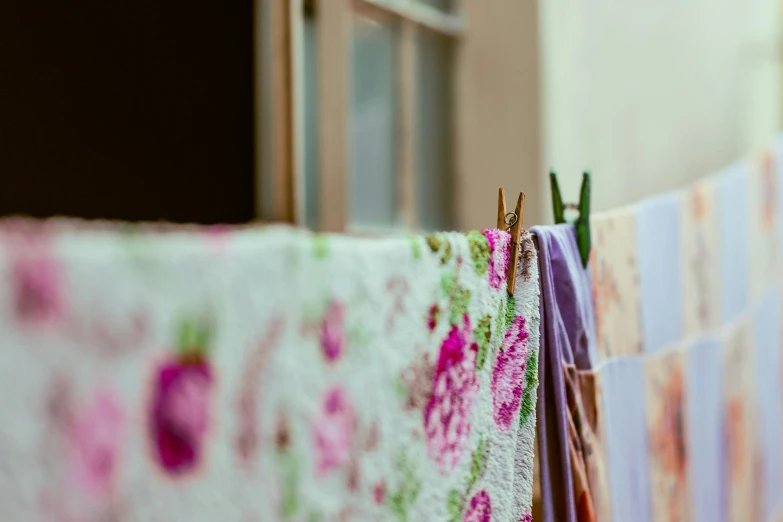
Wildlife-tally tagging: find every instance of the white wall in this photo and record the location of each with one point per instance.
(651, 95)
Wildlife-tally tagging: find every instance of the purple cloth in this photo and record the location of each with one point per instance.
(567, 336)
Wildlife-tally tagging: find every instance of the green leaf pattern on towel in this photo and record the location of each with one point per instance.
(479, 251)
(457, 296)
(457, 500)
(401, 499)
(440, 244)
(483, 336)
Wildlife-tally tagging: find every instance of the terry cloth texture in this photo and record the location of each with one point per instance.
(244, 375)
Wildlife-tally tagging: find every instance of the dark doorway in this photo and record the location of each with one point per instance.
(134, 110)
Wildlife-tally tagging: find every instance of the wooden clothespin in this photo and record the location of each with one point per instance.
(582, 222)
(511, 221)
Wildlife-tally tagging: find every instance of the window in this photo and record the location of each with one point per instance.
(383, 114)
(373, 113)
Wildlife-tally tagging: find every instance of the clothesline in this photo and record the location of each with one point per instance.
(271, 374)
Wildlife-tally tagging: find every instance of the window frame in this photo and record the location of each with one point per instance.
(333, 26)
(273, 61)
(498, 132)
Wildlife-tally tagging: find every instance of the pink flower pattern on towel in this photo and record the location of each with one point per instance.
(36, 280)
(500, 252)
(96, 436)
(454, 389)
(334, 431)
(333, 331)
(508, 377)
(480, 508)
(180, 414)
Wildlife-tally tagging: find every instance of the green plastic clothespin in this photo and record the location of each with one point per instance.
(582, 222)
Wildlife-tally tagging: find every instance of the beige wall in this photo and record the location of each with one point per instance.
(651, 95)
(648, 95)
(498, 139)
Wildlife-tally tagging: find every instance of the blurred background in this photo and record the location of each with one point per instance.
(373, 115)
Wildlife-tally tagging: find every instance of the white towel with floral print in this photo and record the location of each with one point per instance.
(264, 375)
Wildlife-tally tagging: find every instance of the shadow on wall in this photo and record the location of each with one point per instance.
(127, 110)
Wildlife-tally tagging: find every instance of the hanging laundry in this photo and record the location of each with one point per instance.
(743, 459)
(265, 375)
(626, 438)
(705, 429)
(769, 387)
(732, 186)
(667, 429)
(615, 279)
(700, 250)
(682, 393)
(658, 229)
(762, 175)
(572, 470)
(776, 150)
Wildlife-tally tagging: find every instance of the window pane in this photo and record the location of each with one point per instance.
(434, 128)
(373, 123)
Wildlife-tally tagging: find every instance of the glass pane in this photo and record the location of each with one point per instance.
(310, 124)
(434, 128)
(373, 123)
(441, 5)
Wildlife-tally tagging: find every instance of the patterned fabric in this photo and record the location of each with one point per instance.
(264, 375)
(658, 229)
(763, 213)
(667, 429)
(741, 423)
(732, 190)
(769, 382)
(687, 289)
(627, 439)
(699, 248)
(704, 437)
(615, 274)
(572, 473)
(588, 453)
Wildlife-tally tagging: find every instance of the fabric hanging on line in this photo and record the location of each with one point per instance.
(705, 460)
(769, 383)
(764, 246)
(642, 373)
(700, 250)
(248, 375)
(674, 416)
(702, 313)
(658, 229)
(625, 423)
(572, 470)
(659, 224)
(618, 301)
(615, 280)
(690, 386)
(762, 180)
(732, 194)
(667, 427)
(741, 419)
